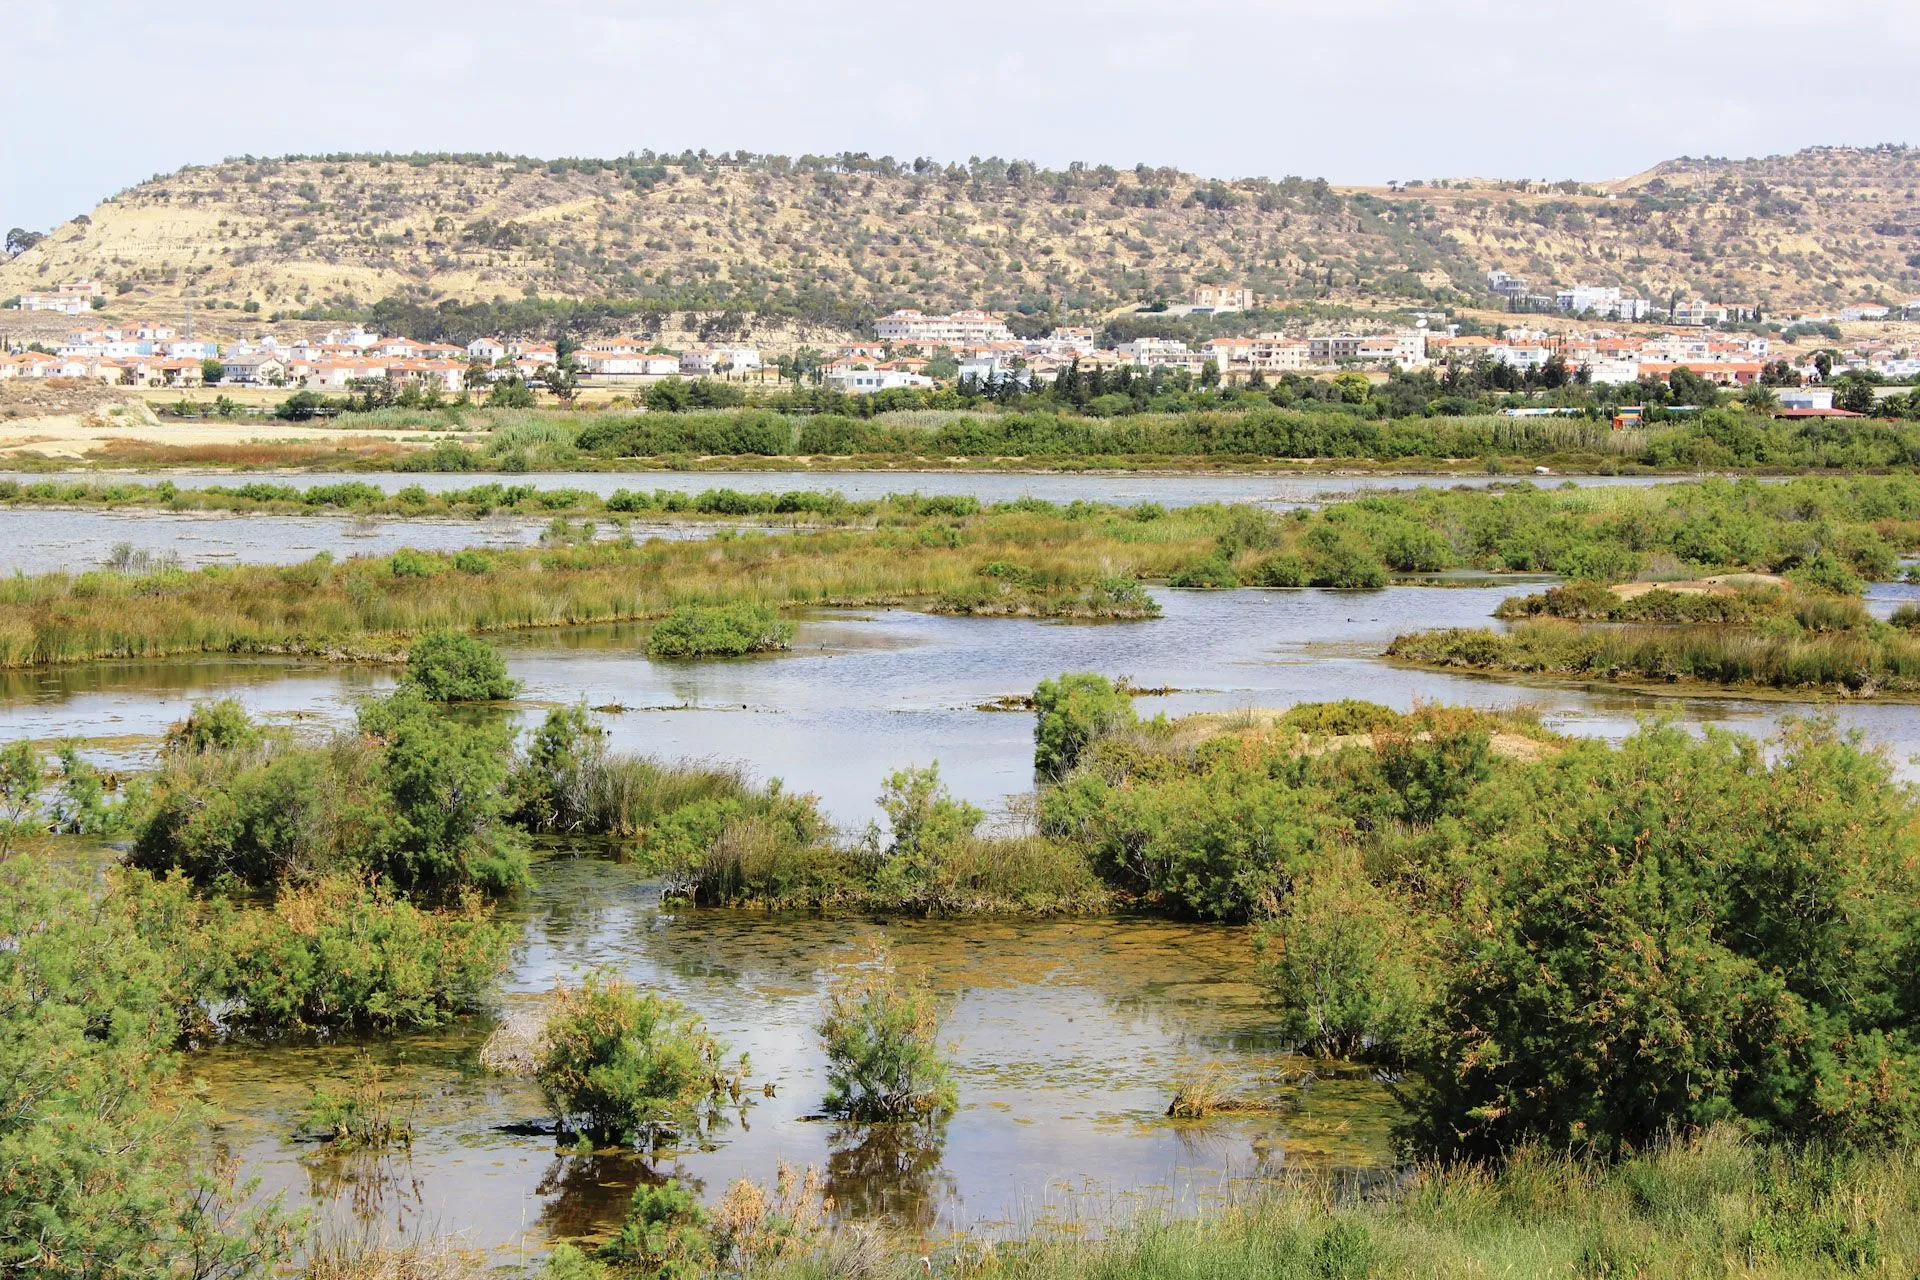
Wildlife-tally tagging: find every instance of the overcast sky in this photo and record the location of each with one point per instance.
(97, 96)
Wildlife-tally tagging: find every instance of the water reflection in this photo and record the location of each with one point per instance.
(890, 1173)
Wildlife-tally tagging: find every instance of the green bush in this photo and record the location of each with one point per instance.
(473, 563)
(1340, 719)
(447, 666)
(629, 1068)
(881, 1032)
(1214, 572)
(1281, 569)
(1346, 963)
(99, 1142)
(340, 955)
(417, 799)
(728, 631)
(1341, 557)
(443, 788)
(666, 1234)
(222, 725)
(1681, 933)
(1070, 714)
(408, 563)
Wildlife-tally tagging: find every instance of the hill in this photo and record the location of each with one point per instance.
(829, 242)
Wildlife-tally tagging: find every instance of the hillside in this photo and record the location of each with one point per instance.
(829, 243)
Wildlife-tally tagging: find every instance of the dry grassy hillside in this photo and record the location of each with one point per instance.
(833, 244)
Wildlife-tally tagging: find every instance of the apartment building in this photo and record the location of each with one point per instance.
(1605, 301)
(962, 328)
(1406, 348)
(1697, 312)
(1220, 298)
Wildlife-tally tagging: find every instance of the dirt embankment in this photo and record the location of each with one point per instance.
(81, 418)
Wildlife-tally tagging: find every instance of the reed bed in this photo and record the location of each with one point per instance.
(1882, 660)
(362, 607)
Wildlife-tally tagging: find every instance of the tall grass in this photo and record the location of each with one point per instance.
(1880, 660)
(362, 607)
(1709, 1208)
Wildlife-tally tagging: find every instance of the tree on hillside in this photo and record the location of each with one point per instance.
(19, 240)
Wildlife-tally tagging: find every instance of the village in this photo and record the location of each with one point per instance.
(1596, 335)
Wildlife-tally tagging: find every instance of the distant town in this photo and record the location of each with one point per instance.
(911, 349)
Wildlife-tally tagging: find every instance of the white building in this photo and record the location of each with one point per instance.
(1277, 353)
(1505, 285)
(1406, 348)
(254, 369)
(987, 368)
(1064, 344)
(1699, 313)
(861, 382)
(486, 349)
(962, 328)
(615, 364)
(1160, 353)
(1865, 313)
(1605, 301)
(705, 360)
(71, 304)
(1805, 397)
(1606, 371)
(1209, 297)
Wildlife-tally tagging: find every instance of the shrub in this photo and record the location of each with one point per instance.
(337, 955)
(415, 799)
(259, 820)
(629, 1068)
(1214, 572)
(440, 829)
(474, 563)
(222, 725)
(1281, 569)
(99, 1143)
(730, 631)
(667, 1234)
(1345, 963)
(881, 1033)
(1682, 933)
(447, 666)
(1070, 714)
(1340, 719)
(408, 563)
(1341, 557)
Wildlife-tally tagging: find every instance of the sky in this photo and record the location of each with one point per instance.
(100, 95)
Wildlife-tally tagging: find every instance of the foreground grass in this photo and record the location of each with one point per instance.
(1714, 1207)
(1871, 661)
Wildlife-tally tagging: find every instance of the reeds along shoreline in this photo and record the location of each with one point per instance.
(368, 607)
(1878, 660)
(1711, 1206)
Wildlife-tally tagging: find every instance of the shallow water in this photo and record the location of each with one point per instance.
(1067, 1038)
(42, 541)
(71, 539)
(863, 693)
